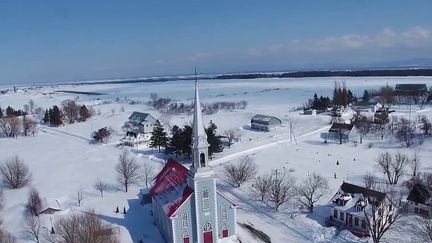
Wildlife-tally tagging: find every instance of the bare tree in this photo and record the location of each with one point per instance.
(86, 227)
(311, 190)
(405, 131)
(70, 110)
(32, 229)
(100, 186)
(414, 164)
(237, 174)
(393, 169)
(6, 237)
(423, 229)
(15, 173)
(34, 202)
(102, 135)
(370, 181)
(381, 216)
(261, 185)
(232, 136)
(79, 197)
(10, 126)
(29, 126)
(128, 170)
(31, 105)
(425, 125)
(148, 172)
(386, 96)
(364, 125)
(281, 190)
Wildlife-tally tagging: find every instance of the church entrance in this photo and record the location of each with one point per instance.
(208, 234)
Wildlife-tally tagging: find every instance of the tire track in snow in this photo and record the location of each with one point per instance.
(249, 151)
(67, 133)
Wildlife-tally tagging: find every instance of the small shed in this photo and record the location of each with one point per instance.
(50, 206)
(264, 122)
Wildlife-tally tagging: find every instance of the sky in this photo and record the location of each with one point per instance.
(63, 41)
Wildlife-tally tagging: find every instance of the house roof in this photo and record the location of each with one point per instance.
(420, 194)
(351, 188)
(263, 118)
(410, 87)
(138, 116)
(341, 126)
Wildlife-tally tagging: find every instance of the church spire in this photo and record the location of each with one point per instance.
(199, 136)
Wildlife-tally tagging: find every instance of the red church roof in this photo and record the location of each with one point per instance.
(170, 189)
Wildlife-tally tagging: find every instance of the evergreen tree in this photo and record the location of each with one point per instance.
(10, 111)
(186, 141)
(159, 137)
(84, 113)
(214, 141)
(351, 97)
(174, 144)
(366, 96)
(55, 116)
(1, 112)
(46, 118)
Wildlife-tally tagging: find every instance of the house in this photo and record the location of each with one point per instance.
(186, 205)
(140, 122)
(49, 206)
(408, 93)
(264, 122)
(420, 200)
(348, 205)
(341, 132)
(410, 89)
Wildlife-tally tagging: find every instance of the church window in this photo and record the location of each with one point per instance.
(207, 227)
(205, 199)
(202, 159)
(223, 212)
(184, 218)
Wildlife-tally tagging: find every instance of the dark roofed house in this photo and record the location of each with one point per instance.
(409, 89)
(264, 122)
(349, 204)
(140, 122)
(341, 132)
(419, 200)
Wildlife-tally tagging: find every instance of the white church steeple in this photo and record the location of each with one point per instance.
(199, 136)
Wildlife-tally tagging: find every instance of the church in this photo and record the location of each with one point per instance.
(186, 205)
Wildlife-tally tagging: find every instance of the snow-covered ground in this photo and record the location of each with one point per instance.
(63, 160)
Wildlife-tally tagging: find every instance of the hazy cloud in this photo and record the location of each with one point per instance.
(387, 38)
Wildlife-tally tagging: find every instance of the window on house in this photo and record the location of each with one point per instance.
(341, 216)
(205, 199)
(184, 218)
(356, 221)
(364, 224)
(223, 212)
(335, 213)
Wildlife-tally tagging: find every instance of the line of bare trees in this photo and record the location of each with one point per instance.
(167, 105)
(277, 189)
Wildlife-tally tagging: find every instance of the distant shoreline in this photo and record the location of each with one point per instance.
(414, 72)
(296, 74)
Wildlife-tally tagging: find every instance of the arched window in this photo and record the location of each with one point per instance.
(223, 212)
(184, 218)
(205, 199)
(185, 237)
(202, 159)
(207, 227)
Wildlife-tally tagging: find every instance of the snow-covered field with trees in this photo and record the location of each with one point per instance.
(65, 162)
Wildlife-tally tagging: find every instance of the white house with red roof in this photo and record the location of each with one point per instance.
(187, 207)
